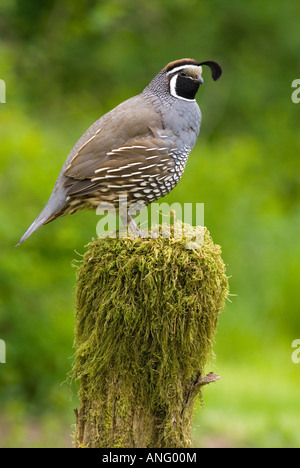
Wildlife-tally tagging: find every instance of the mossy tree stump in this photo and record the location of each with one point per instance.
(146, 316)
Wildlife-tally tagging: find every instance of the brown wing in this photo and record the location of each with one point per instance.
(135, 162)
(128, 141)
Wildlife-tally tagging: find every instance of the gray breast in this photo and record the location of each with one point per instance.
(183, 120)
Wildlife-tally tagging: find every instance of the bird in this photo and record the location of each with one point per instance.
(137, 151)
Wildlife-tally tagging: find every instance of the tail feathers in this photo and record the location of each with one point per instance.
(40, 220)
(48, 214)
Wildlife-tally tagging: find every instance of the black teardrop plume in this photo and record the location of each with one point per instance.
(216, 70)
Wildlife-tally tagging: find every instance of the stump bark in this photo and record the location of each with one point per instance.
(146, 316)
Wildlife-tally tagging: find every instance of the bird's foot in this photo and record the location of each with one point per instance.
(132, 228)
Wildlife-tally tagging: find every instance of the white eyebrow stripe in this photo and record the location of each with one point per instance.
(182, 67)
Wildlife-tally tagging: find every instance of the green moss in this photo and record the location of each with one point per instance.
(146, 315)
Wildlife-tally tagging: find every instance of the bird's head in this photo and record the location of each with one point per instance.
(185, 76)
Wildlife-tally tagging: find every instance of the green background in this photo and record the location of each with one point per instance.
(65, 64)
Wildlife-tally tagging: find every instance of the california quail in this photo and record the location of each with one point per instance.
(138, 150)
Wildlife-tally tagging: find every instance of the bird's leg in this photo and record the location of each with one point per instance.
(128, 220)
(132, 224)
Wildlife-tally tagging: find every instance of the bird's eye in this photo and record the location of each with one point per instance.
(183, 73)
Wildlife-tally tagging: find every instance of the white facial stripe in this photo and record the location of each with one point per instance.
(173, 89)
(182, 67)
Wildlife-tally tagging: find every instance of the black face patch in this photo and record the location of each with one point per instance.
(186, 87)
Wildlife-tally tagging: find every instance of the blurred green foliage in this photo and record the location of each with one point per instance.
(66, 63)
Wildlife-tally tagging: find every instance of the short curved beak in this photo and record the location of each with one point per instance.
(199, 80)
